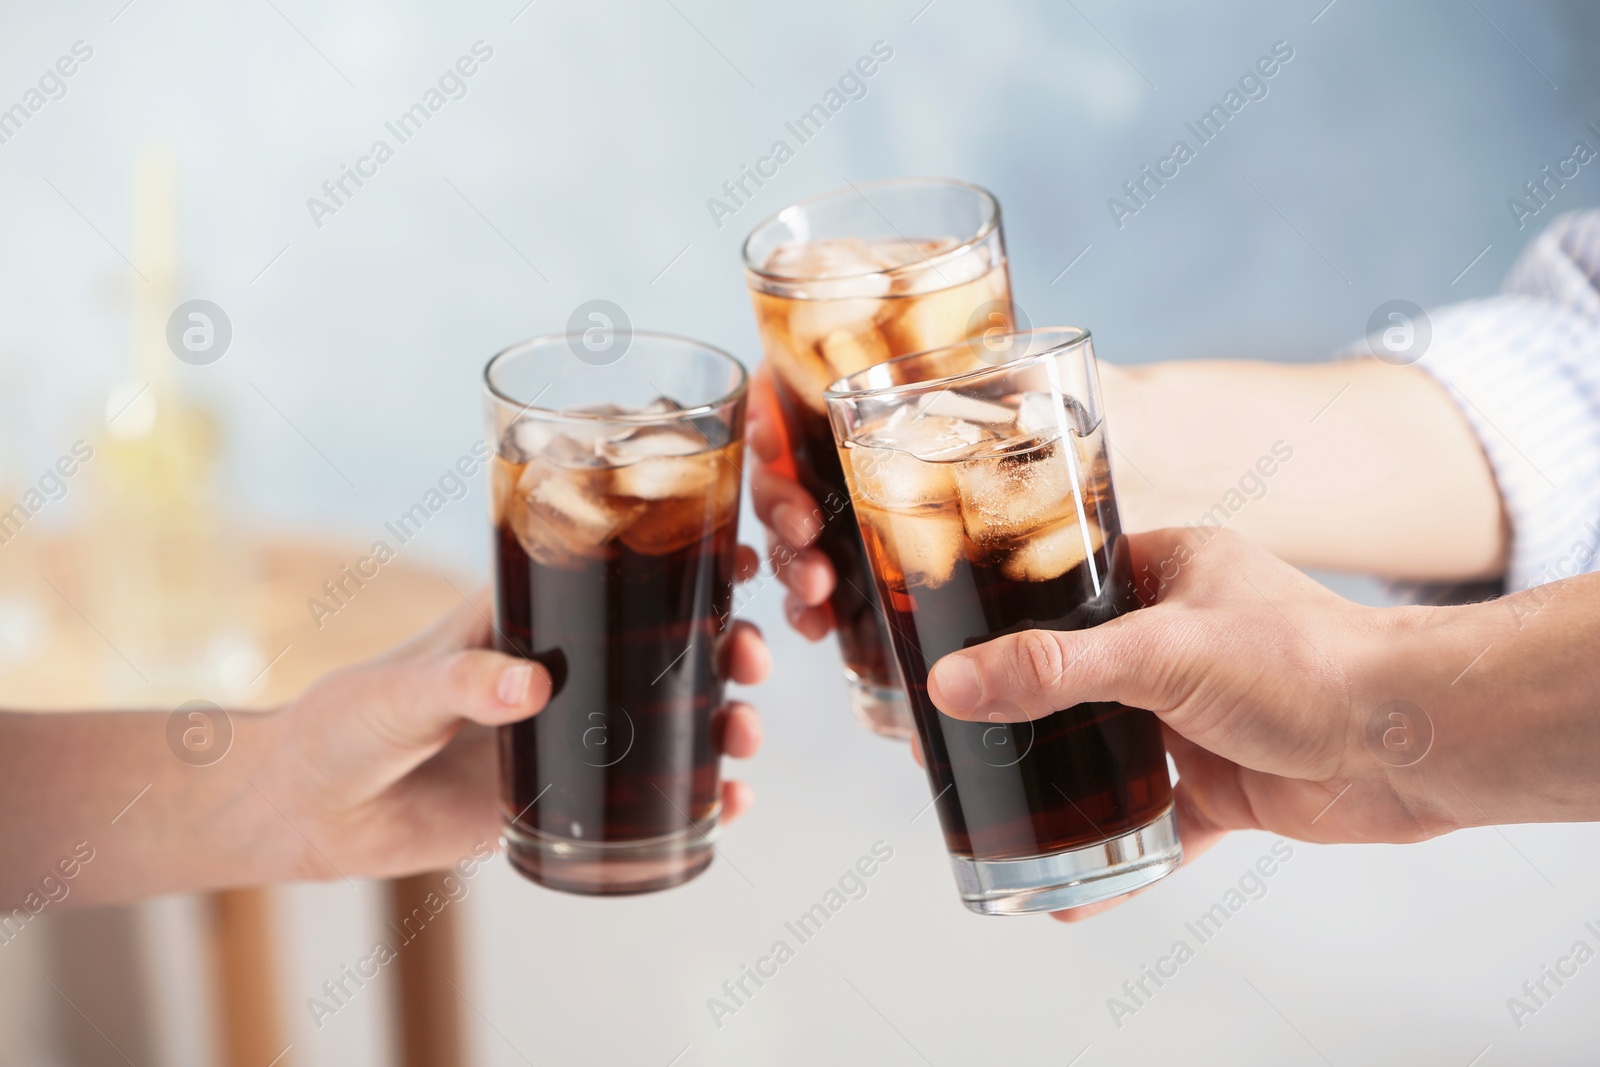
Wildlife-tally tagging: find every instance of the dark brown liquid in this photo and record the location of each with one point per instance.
(1072, 778)
(624, 749)
(863, 638)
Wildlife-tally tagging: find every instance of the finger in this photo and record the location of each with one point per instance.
(468, 626)
(766, 431)
(1089, 911)
(1132, 660)
(1195, 829)
(763, 433)
(809, 576)
(742, 656)
(447, 808)
(746, 563)
(379, 721)
(784, 507)
(416, 704)
(1163, 561)
(809, 568)
(916, 752)
(737, 798)
(1212, 785)
(811, 623)
(736, 730)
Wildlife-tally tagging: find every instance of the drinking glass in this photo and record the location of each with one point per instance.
(844, 281)
(615, 501)
(980, 481)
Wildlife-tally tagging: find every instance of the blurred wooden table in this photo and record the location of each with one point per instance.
(67, 672)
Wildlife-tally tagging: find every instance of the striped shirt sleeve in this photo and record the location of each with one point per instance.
(1524, 367)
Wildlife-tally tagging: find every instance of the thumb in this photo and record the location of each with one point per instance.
(379, 721)
(1132, 660)
(1031, 674)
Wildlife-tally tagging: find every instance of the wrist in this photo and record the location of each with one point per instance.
(248, 819)
(1497, 731)
(1408, 729)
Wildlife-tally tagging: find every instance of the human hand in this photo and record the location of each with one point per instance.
(388, 768)
(1265, 682)
(789, 513)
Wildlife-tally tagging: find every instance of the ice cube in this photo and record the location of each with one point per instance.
(811, 322)
(953, 405)
(575, 503)
(1039, 414)
(668, 473)
(1045, 415)
(894, 253)
(606, 409)
(891, 478)
(576, 448)
(714, 429)
(931, 321)
(1028, 486)
(919, 547)
(661, 405)
(670, 525)
(1051, 553)
(645, 442)
(928, 436)
(933, 274)
(806, 375)
(661, 477)
(563, 516)
(940, 311)
(827, 257)
(803, 371)
(525, 439)
(1093, 469)
(502, 486)
(821, 342)
(850, 351)
(675, 522)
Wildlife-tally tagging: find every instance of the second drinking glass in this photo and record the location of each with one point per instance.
(844, 281)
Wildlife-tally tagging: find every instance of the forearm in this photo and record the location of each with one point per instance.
(1372, 467)
(1511, 693)
(107, 785)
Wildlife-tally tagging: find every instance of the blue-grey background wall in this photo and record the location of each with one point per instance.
(579, 162)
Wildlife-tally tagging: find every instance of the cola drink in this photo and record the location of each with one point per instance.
(614, 540)
(987, 508)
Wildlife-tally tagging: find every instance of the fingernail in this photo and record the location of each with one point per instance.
(959, 688)
(514, 683)
(783, 522)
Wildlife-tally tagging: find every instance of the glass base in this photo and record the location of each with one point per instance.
(1074, 877)
(883, 709)
(612, 868)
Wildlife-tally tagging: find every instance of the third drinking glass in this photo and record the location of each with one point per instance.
(980, 480)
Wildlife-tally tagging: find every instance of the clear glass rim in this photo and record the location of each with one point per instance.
(984, 196)
(740, 385)
(853, 387)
